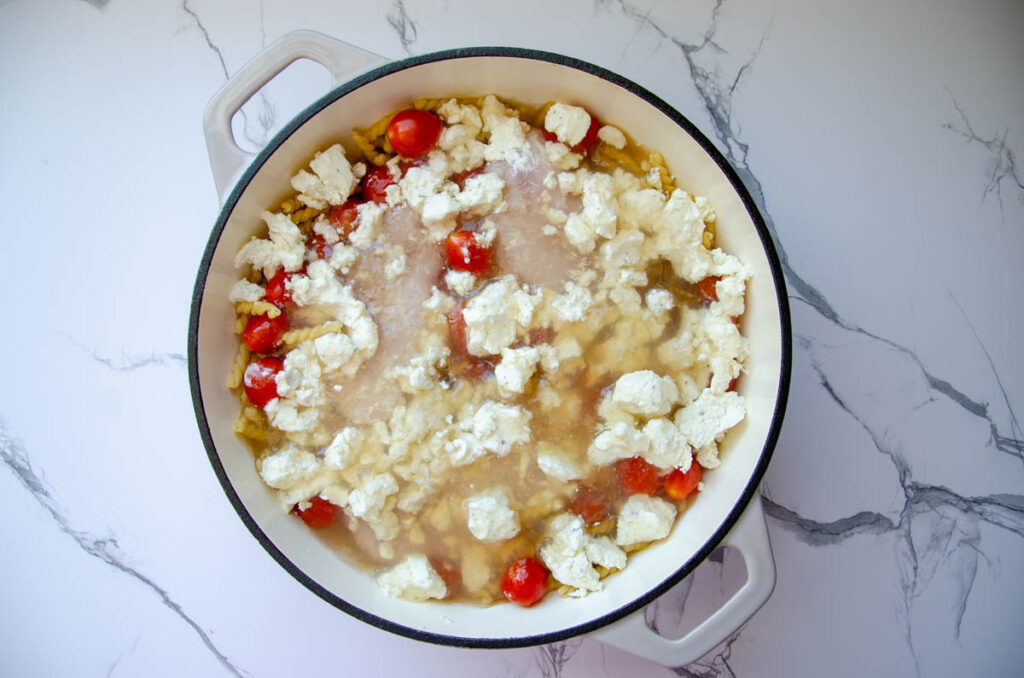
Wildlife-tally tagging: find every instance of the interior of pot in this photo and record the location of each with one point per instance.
(533, 80)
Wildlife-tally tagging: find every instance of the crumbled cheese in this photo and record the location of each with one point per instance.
(498, 427)
(568, 123)
(286, 416)
(300, 379)
(569, 553)
(669, 448)
(579, 233)
(481, 194)
(396, 264)
(557, 465)
(321, 287)
(495, 315)
(460, 282)
(659, 301)
(243, 290)
(371, 214)
(612, 136)
(285, 247)
(368, 501)
(413, 579)
(623, 250)
(620, 441)
(334, 350)
(572, 305)
(332, 182)
(645, 393)
(599, 205)
(342, 450)
(643, 519)
(561, 156)
(709, 416)
(289, 467)
(515, 369)
(489, 516)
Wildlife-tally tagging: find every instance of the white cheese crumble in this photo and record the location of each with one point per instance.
(659, 301)
(612, 136)
(460, 282)
(569, 553)
(515, 369)
(643, 519)
(555, 464)
(568, 123)
(243, 290)
(489, 516)
(495, 316)
(413, 579)
(331, 183)
(285, 247)
(709, 416)
(645, 393)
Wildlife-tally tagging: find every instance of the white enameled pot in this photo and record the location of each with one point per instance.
(728, 511)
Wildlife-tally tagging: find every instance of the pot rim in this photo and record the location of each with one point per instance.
(780, 399)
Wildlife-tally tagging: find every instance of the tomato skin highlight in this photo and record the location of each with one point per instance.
(525, 581)
(259, 380)
(680, 484)
(636, 476)
(344, 217)
(277, 292)
(465, 253)
(263, 334)
(375, 184)
(589, 504)
(706, 288)
(320, 513)
(412, 132)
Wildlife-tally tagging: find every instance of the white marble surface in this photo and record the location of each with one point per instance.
(880, 139)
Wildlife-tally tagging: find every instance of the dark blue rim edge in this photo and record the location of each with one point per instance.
(781, 396)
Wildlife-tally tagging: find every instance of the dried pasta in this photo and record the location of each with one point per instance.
(298, 336)
(238, 368)
(257, 308)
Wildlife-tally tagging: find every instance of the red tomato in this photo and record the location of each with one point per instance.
(465, 253)
(525, 581)
(707, 290)
(343, 217)
(259, 380)
(636, 476)
(376, 182)
(589, 504)
(277, 291)
(319, 514)
(262, 334)
(588, 141)
(732, 384)
(457, 330)
(679, 485)
(412, 133)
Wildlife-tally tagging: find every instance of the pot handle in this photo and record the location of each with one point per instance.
(750, 537)
(339, 58)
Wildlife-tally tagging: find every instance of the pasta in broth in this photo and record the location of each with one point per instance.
(491, 354)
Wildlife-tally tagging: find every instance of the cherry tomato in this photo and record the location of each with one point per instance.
(259, 380)
(733, 383)
(277, 291)
(376, 182)
(344, 216)
(707, 290)
(636, 476)
(465, 253)
(319, 514)
(589, 504)
(679, 484)
(588, 141)
(457, 330)
(412, 133)
(525, 581)
(263, 334)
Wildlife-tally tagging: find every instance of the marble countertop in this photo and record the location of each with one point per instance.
(880, 140)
